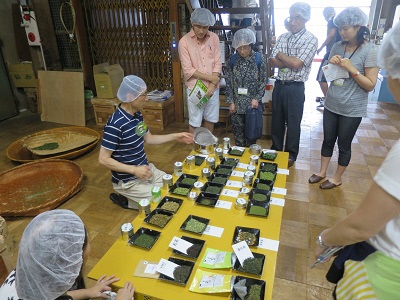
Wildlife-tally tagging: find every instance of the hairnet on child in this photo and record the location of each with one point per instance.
(301, 8)
(351, 16)
(202, 17)
(50, 255)
(243, 37)
(328, 11)
(133, 85)
(389, 53)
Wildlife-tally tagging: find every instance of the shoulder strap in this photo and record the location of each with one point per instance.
(233, 60)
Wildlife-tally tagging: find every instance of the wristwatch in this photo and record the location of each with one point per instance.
(355, 74)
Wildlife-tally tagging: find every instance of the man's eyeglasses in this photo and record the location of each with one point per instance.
(295, 18)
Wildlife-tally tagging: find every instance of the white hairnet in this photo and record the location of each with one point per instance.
(329, 11)
(133, 85)
(50, 255)
(243, 37)
(202, 17)
(389, 52)
(301, 8)
(351, 16)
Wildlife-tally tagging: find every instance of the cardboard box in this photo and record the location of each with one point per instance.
(22, 75)
(107, 79)
(103, 109)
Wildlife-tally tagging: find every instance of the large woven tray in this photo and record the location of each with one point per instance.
(17, 152)
(32, 188)
(64, 140)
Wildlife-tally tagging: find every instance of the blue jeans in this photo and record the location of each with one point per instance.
(342, 129)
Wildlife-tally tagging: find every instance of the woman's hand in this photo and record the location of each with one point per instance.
(232, 108)
(126, 293)
(103, 284)
(254, 103)
(336, 59)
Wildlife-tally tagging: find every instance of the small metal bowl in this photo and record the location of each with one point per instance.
(255, 149)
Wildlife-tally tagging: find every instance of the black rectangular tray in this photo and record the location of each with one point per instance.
(236, 263)
(211, 184)
(231, 149)
(200, 219)
(193, 241)
(204, 196)
(268, 156)
(170, 199)
(156, 212)
(180, 262)
(225, 161)
(253, 192)
(249, 283)
(198, 158)
(252, 203)
(254, 231)
(184, 176)
(223, 167)
(177, 185)
(142, 230)
(272, 167)
(259, 181)
(214, 175)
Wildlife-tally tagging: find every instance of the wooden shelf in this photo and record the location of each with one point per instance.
(221, 27)
(236, 10)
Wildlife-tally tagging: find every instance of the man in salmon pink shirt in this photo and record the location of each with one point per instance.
(200, 57)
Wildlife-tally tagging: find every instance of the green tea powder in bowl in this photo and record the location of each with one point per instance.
(181, 191)
(260, 197)
(258, 210)
(181, 273)
(144, 241)
(189, 181)
(195, 226)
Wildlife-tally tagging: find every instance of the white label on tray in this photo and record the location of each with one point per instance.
(180, 245)
(211, 281)
(213, 258)
(242, 166)
(238, 174)
(166, 267)
(213, 231)
(242, 251)
(202, 155)
(280, 191)
(283, 171)
(223, 204)
(230, 193)
(277, 201)
(150, 269)
(268, 151)
(235, 184)
(268, 244)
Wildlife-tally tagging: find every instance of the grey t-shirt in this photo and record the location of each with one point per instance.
(350, 99)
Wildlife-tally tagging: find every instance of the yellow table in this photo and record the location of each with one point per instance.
(122, 259)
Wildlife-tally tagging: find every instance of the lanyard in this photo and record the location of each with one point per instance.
(345, 47)
(294, 43)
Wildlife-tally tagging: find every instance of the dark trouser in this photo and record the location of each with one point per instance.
(287, 110)
(238, 126)
(343, 129)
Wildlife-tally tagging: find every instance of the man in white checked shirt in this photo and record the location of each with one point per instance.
(293, 55)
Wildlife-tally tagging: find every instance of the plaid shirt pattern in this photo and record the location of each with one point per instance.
(302, 45)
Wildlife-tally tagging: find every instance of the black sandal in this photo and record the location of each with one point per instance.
(119, 200)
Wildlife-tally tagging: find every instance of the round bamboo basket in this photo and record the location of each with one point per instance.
(19, 153)
(35, 187)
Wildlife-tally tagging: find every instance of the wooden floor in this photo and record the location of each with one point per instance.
(307, 212)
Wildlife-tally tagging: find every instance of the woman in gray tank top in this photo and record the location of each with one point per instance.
(347, 98)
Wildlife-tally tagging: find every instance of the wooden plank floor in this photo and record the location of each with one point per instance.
(307, 212)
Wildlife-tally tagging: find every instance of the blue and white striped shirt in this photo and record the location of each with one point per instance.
(121, 137)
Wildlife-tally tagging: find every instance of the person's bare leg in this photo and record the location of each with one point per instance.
(337, 178)
(191, 129)
(324, 166)
(209, 125)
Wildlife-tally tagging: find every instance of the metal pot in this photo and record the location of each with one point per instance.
(205, 149)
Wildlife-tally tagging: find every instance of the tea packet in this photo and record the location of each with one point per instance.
(207, 282)
(216, 259)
